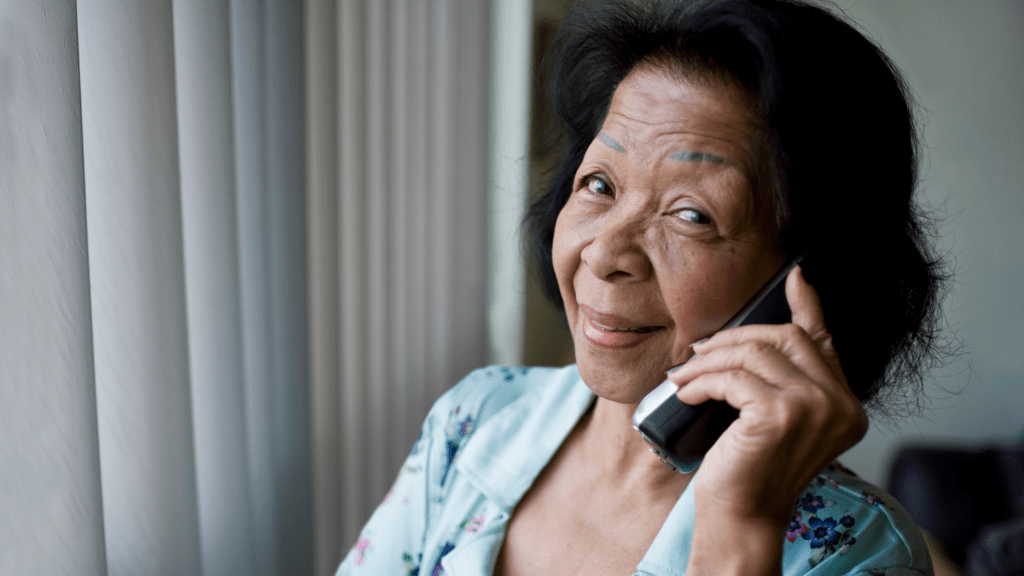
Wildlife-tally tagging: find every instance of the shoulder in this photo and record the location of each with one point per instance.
(845, 525)
(432, 506)
(487, 391)
(495, 398)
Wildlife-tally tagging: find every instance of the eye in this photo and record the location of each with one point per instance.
(694, 216)
(597, 185)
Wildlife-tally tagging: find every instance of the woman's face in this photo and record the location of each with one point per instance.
(659, 243)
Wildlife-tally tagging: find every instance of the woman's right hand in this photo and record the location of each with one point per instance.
(797, 414)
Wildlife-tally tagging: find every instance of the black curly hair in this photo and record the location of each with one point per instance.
(839, 167)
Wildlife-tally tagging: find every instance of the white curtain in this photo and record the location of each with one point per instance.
(398, 218)
(154, 389)
(51, 512)
(243, 247)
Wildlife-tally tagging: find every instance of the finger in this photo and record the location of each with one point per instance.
(785, 408)
(738, 388)
(806, 306)
(808, 314)
(790, 339)
(756, 356)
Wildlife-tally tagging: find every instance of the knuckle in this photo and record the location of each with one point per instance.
(741, 376)
(822, 336)
(818, 396)
(789, 407)
(829, 345)
(794, 332)
(789, 414)
(818, 402)
(757, 347)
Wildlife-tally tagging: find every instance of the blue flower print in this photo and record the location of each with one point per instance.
(821, 532)
(509, 374)
(438, 569)
(846, 547)
(875, 500)
(456, 435)
(411, 567)
(456, 432)
(796, 528)
(825, 539)
(813, 502)
(822, 480)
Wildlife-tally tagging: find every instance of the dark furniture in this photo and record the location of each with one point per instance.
(971, 500)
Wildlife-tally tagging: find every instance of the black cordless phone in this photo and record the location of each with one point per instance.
(681, 434)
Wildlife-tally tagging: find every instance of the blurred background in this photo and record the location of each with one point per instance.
(245, 245)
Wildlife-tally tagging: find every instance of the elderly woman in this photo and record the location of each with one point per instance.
(706, 143)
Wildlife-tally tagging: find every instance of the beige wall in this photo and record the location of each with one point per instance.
(965, 62)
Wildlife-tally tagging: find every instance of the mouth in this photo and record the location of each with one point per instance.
(611, 331)
(640, 330)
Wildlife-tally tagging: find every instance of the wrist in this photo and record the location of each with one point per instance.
(724, 545)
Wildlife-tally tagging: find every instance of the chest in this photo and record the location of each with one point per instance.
(567, 524)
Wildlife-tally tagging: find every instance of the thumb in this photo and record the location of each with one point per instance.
(806, 306)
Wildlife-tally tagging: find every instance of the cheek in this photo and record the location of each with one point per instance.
(565, 255)
(727, 294)
(703, 296)
(733, 289)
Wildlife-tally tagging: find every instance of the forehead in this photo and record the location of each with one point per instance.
(652, 109)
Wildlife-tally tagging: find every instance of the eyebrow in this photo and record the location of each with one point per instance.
(610, 142)
(688, 156)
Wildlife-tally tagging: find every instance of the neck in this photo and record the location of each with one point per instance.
(620, 455)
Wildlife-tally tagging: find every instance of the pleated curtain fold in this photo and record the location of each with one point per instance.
(243, 248)
(398, 222)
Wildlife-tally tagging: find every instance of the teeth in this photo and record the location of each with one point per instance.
(643, 330)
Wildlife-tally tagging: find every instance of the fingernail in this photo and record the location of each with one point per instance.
(698, 343)
(674, 368)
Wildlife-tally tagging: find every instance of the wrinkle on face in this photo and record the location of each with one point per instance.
(669, 156)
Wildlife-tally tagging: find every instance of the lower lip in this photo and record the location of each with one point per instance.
(596, 335)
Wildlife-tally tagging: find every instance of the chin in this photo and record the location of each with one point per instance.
(618, 387)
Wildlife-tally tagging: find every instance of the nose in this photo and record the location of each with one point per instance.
(616, 252)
